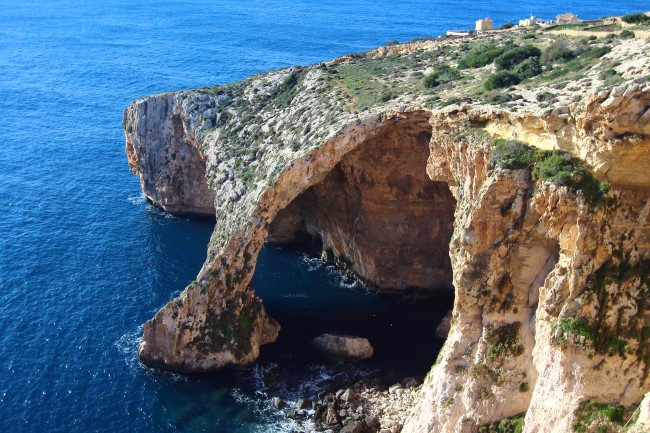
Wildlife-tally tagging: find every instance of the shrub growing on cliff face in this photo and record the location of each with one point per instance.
(503, 341)
(561, 168)
(558, 167)
(591, 414)
(512, 154)
(513, 424)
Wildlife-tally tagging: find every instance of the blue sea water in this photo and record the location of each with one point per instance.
(85, 261)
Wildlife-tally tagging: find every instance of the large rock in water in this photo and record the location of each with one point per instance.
(343, 347)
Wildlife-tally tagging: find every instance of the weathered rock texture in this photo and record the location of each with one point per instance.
(344, 347)
(378, 214)
(551, 282)
(551, 289)
(162, 150)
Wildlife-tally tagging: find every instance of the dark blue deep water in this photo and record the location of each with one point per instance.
(84, 261)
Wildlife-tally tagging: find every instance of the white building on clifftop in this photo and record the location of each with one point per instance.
(529, 21)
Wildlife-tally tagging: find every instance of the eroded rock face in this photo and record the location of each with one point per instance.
(378, 215)
(343, 347)
(532, 264)
(551, 287)
(163, 151)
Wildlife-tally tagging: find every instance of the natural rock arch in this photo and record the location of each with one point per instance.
(378, 215)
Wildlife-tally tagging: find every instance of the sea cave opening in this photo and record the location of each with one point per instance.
(364, 252)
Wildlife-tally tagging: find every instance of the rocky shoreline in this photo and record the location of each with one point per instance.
(368, 406)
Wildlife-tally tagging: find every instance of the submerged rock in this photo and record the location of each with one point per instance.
(343, 347)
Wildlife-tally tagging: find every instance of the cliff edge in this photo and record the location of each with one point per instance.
(417, 167)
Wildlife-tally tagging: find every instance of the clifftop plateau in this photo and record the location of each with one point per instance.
(509, 168)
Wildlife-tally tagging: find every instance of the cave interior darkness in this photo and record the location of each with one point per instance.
(380, 219)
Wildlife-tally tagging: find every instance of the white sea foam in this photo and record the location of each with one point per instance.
(311, 263)
(127, 345)
(137, 199)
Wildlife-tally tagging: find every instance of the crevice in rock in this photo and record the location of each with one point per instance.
(545, 257)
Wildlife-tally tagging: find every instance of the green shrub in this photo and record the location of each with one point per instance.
(558, 167)
(496, 98)
(515, 56)
(289, 88)
(637, 18)
(248, 177)
(442, 74)
(596, 52)
(503, 341)
(506, 26)
(512, 154)
(576, 326)
(385, 97)
(502, 79)
(561, 168)
(480, 56)
(528, 68)
(626, 34)
(513, 424)
(591, 412)
(558, 52)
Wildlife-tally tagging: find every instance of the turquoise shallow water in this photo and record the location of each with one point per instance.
(84, 261)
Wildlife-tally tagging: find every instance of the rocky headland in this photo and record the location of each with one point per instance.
(509, 168)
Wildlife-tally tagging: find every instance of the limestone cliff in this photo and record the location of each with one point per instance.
(163, 151)
(403, 185)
